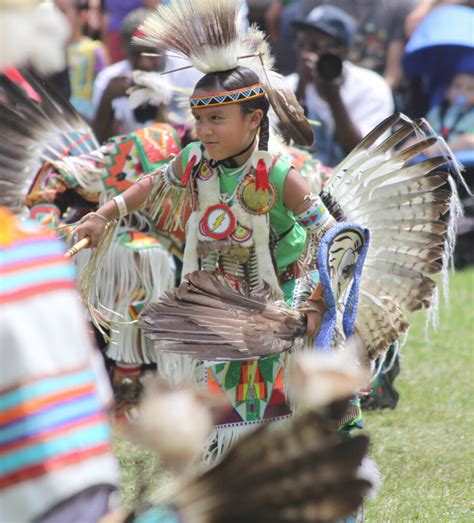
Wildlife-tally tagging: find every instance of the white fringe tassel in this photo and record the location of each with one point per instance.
(222, 439)
(126, 275)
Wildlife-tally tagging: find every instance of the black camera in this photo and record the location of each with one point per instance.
(144, 113)
(329, 66)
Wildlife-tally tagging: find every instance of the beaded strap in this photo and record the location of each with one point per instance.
(228, 97)
(170, 177)
(315, 216)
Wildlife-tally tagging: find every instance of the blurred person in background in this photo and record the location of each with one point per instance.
(257, 13)
(347, 100)
(96, 20)
(423, 8)
(453, 118)
(379, 39)
(116, 11)
(85, 57)
(424, 90)
(279, 19)
(60, 78)
(113, 114)
(378, 42)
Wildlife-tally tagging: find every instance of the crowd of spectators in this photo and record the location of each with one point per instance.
(343, 58)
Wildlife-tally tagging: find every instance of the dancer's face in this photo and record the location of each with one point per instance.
(224, 130)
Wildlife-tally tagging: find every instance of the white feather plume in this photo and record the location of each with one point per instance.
(34, 35)
(203, 31)
(149, 87)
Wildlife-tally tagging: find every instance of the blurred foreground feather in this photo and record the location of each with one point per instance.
(301, 471)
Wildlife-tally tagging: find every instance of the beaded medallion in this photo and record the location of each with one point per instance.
(218, 222)
(253, 201)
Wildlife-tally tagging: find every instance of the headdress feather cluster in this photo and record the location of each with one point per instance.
(206, 33)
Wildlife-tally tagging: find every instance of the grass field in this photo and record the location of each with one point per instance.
(425, 447)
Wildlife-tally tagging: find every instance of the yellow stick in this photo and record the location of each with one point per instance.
(82, 244)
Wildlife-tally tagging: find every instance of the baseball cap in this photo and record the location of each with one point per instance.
(331, 20)
(132, 22)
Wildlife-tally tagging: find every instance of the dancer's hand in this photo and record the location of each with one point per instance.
(314, 308)
(118, 86)
(93, 228)
(313, 322)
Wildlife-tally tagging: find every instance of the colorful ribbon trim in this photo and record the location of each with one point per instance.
(49, 423)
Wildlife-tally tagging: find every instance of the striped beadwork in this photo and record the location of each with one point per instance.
(31, 265)
(315, 216)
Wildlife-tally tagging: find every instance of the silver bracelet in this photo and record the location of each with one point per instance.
(121, 205)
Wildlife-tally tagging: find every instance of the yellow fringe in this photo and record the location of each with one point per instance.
(88, 283)
(165, 197)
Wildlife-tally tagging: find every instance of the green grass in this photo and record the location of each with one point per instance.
(138, 468)
(424, 448)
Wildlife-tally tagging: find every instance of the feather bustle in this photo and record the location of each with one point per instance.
(405, 207)
(305, 471)
(32, 132)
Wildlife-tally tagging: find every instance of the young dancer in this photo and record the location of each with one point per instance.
(254, 219)
(255, 228)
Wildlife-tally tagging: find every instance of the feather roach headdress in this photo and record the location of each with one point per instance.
(206, 33)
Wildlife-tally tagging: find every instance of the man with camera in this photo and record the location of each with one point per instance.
(347, 101)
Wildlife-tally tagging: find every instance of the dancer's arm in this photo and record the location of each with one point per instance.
(312, 215)
(133, 198)
(298, 199)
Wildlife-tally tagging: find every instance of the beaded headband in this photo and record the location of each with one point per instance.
(228, 97)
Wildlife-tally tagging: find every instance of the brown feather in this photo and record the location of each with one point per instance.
(291, 115)
(413, 150)
(374, 135)
(303, 471)
(395, 139)
(206, 318)
(379, 326)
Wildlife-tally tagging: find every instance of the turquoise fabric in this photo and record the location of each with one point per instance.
(160, 514)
